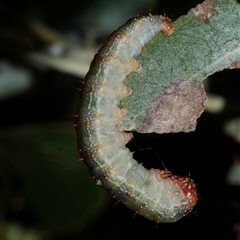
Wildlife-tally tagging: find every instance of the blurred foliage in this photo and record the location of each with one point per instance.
(45, 192)
(54, 185)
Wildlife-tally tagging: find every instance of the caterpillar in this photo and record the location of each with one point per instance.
(155, 194)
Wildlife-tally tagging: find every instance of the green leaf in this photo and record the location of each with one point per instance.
(167, 93)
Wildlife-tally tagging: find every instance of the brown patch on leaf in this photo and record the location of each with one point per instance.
(235, 65)
(204, 11)
(176, 110)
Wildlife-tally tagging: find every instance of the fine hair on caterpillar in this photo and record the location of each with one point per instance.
(155, 194)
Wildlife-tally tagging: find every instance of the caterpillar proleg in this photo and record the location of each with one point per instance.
(155, 194)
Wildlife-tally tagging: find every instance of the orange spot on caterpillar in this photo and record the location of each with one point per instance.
(168, 28)
(102, 84)
(87, 123)
(110, 167)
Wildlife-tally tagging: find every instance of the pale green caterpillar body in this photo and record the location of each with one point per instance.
(155, 194)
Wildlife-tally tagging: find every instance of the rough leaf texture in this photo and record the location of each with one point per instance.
(168, 92)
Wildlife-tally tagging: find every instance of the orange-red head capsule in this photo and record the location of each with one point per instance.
(189, 189)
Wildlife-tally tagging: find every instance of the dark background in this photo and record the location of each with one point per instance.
(45, 191)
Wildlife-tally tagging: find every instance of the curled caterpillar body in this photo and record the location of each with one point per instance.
(154, 194)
